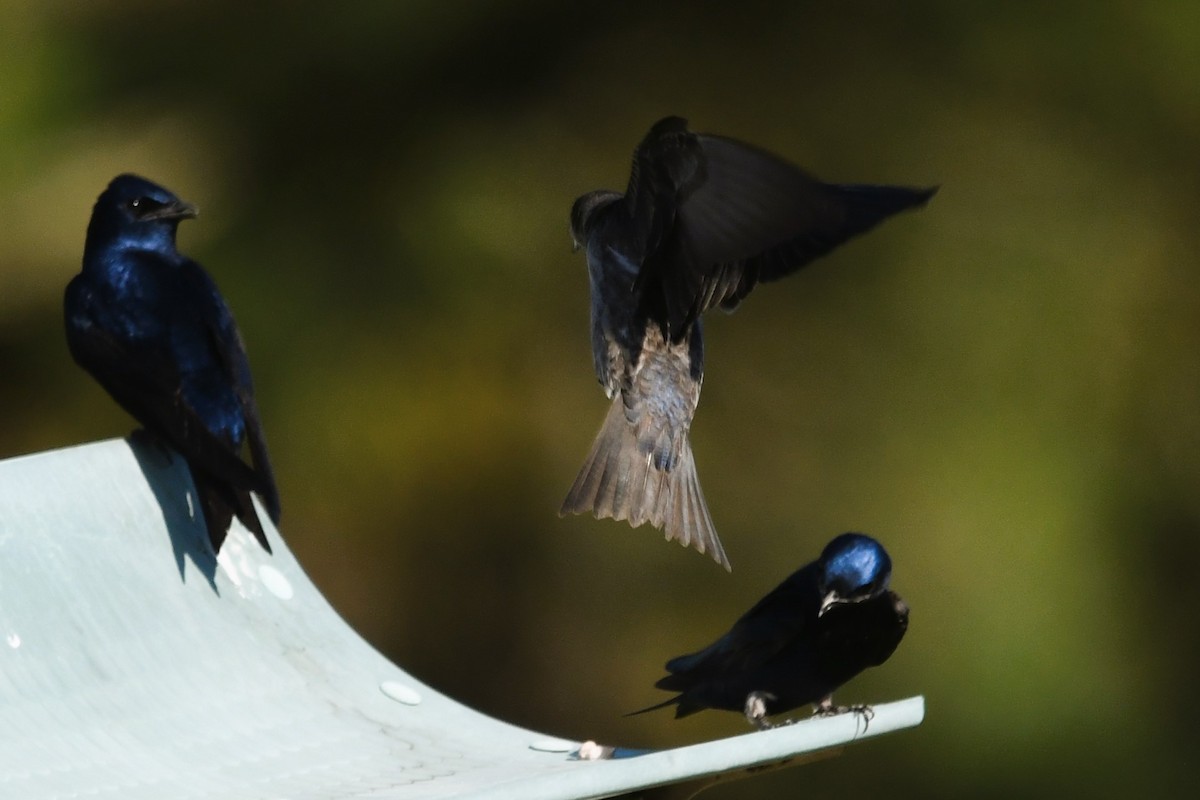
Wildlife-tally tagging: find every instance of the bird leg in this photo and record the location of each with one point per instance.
(756, 710)
(826, 708)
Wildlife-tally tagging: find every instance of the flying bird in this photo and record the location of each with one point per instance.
(703, 220)
(827, 622)
(149, 325)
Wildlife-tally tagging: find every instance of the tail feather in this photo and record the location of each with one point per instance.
(217, 513)
(267, 491)
(219, 503)
(619, 481)
(668, 702)
(679, 509)
(245, 511)
(699, 531)
(684, 706)
(614, 480)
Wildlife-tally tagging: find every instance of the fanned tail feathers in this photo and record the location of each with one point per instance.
(620, 481)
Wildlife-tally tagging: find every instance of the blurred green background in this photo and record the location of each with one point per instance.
(1002, 388)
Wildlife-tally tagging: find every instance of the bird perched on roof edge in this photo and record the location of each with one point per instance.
(150, 326)
(827, 622)
(703, 220)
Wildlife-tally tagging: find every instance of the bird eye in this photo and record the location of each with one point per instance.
(144, 205)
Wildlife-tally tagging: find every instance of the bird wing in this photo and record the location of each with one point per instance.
(728, 215)
(667, 163)
(229, 352)
(774, 622)
(607, 357)
(142, 373)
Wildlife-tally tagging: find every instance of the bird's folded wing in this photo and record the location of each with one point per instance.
(228, 351)
(146, 381)
(775, 621)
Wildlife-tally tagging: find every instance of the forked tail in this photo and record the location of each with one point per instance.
(220, 503)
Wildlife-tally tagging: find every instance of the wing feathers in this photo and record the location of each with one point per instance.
(715, 216)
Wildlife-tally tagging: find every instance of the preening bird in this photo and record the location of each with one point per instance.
(149, 325)
(703, 220)
(827, 622)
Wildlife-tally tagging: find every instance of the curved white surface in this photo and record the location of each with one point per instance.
(133, 665)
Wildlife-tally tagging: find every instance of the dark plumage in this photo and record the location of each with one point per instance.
(703, 221)
(150, 326)
(826, 623)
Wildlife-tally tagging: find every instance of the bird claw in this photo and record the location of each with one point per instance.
(756, 710)
(826, 708)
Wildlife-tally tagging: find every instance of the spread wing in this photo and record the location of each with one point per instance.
(718, 216)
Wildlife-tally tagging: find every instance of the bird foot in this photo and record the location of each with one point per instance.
(756, 710)
(826, 708)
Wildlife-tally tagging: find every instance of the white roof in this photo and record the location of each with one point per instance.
(133, 665)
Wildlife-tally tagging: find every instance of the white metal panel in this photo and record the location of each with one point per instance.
(135, 665)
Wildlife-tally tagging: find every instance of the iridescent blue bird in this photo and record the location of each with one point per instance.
(703, 220)
(149, 325)
(826, 623)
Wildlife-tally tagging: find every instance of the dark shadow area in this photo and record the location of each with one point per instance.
(165, 470)
(688, 789)
(1163, 542)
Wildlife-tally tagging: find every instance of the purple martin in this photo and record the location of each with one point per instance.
(150, 326)
(703, 220)
(826, 623)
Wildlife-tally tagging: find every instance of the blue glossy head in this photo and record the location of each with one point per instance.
(133, 208)
(854, 567)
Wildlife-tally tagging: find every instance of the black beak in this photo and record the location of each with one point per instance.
(176, 209)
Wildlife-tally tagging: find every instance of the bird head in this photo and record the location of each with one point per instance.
(854, 568)
(133, 207)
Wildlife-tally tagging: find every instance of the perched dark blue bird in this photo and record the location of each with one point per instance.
(826, 623)
(149, 324)
(703, 221)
